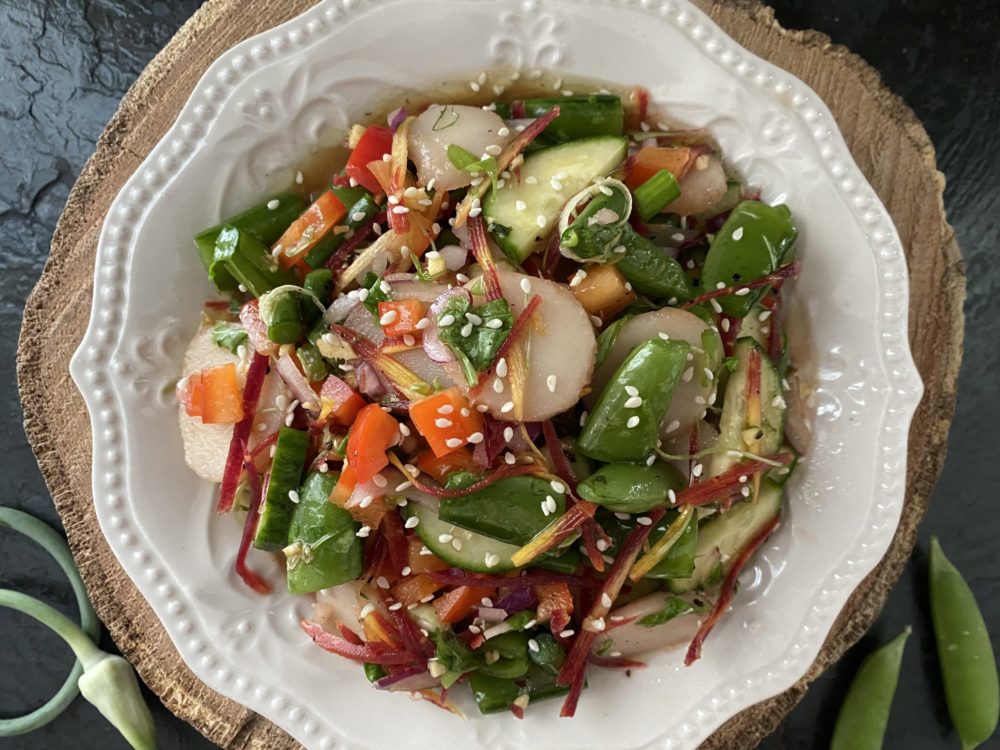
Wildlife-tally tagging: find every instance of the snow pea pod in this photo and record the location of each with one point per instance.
(320, 283)
(494, 694)
(968, 665)
(510, 510)
(323, 548)
(651, 270)
(751, 244)
(513, 661)
(599, 228)
(624, 425)
(631, 488)
(865, 711)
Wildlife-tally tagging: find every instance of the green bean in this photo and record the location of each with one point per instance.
(968, 665)
(865, 712)
(492, 694)
(654, 194)
(285, 324)
(55, 545)
(631, 488)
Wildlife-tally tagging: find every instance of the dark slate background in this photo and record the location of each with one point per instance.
(64, 64)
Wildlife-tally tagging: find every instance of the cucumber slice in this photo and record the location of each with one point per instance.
(722, 537)
(733, 422)
(286, 474)
(577, 164)
(472, 550)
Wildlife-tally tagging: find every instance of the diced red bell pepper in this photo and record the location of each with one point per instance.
(439, 467)
(191, 394)
(456, 605)
(447, 421)
(372, 434)
(412, 589)
(555, 604)
(214, 395)
(373, 144)
(346, 483)
(339, 401)
(408, 312)
(651, 159)
(309, 228)
(422, 563)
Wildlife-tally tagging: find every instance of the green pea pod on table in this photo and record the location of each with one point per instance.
(968, 664)
(753, 242)
(865, 712)
(625, 422)
(631, 488)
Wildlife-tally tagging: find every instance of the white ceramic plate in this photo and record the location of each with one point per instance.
(258, 111)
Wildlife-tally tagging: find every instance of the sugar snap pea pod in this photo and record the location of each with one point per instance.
(510, 510)
(752, 243)
(651, 271)
(654, 194)
(513, 651)
(286, 474)
(865, 711)
(492, 694)
(361, 208)
(284, 325)
(265, 222)
(320, 284)
(598, 229)
(968, 665)
(579, 116)
(631, 488)
(624, 424)
(248, 260)
(323, 547)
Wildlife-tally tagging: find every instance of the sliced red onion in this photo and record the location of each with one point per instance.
(396, 119)
(436, 349)
(369, 381)
(454, 257)
(517, 600)
(409, 679)
(256, 330)
(297, 383)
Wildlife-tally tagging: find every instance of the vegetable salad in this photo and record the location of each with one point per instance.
(507, 394)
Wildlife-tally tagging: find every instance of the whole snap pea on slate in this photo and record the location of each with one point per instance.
(968, 665)
(631, 488)
(625, 423)
(751, 244)
(865, 711)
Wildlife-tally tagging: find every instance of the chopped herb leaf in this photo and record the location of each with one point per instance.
(373, 283)
(469, 162)
(476, 350)
(229, 336)
(673, 607)
(447, 117)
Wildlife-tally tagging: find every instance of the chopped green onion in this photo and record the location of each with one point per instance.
(654, 194)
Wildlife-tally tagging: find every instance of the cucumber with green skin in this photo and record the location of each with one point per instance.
(286, 476)
(723, 536)
(733, 421)
(679, 561)
(322, 538)
(577, 163)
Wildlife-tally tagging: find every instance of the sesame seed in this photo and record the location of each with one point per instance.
(633, 403)
(596, 321)
(533, 644)
(409, 340)
(366, 610)
(506, 408)
(644, 521)
(475, 437)
(445, 538)
(494, 323)
(583, 417)
(525, 286)
(382, 582)
(293, 496)
(363, 294)
(556, 185)
(494, 150)
(482, 408)
(672, 496)
(501, 369)
(508, 434)
(412, 522)
(379, 481)
(631, 390)
(358, 216)
(742, 292)
(764, 315)
(466, 330)
(520, 205)
(497, 385)
(540, 220)
(364, 531)
(422, 324)
(395, 607)
(720, 285)
(400, 210)
(738, 233)
(492, 559)
(442, 422)
(744, 478)
(298, 178)
(778, 402)
(602, 545)
(456, 544)
(273, 204)
(545, 508)
(447, 320)
(696, 470)
(389, 318)
(453, 442)
(550, 382)
(474, 86)
(597, 624)
(578, 278)
(716, 306)
(725, 325)
(445, 409)
(632, 422)
(567, 633)
(474, 319)
(366, 501)
(509, 458)
(503, 132)
(687, 375)
(557, 486)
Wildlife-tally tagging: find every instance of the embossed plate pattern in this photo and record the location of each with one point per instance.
(260, 110)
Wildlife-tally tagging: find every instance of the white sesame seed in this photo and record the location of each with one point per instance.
(363, 294)
(494, 323)
(738, 233)
(382, 582)
(492, 559)
(466, 330)
(597, 624)
(596, 321)
(474, 86)
(540, 220)
(446, 320)
(456, 544)
(578, 278)
(632, 422)
(533, 644)
(725, 325)
(633, 403)
(482, 408)
(550, 383)
(409, 340)
(445, 409)
(508, 434)
(412, 522)
(507, 407)
(764, 315)
(555, 184)
(422, 324)
(400, 210)
(475, 437)
(687, 375)
(445, 538)
(497, 385)
(442, 422)
(644, 521)
(509, 458)
(494, 150)
(620, 250)
(525, 286)
(453, 442)
(363, 531)
(778, 402)
(672, 496)
(389, 318)
(298, 178)
(366, 501)
(475, 211)
(501, 368)
(545, 508)
(720, 285)
(631, 390)
(273, 204)
(696, 470)
(366, 610)
(715, 305)
(293, 496)
(379, 481)
(606, 599)
(742, 292)
(583, 417)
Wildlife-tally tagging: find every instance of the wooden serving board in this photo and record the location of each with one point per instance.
(888, 142)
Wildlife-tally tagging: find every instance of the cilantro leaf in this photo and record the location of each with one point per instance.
(378, 291)
(228, 336)
(469, 162)
(477, 348)
(673, 607)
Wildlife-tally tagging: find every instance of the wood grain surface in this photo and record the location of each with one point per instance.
(889, 144)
